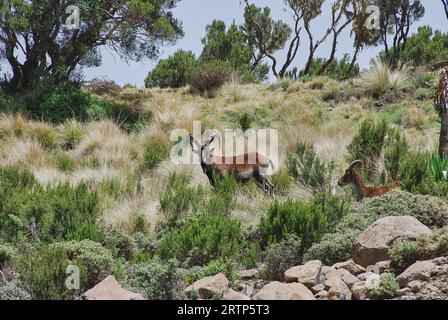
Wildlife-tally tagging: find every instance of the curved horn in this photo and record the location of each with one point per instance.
(356, 162)
(192, 139)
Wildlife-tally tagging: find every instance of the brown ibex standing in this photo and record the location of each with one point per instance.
(362, 190)
(220, 167)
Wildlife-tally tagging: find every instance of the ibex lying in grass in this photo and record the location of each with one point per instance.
(362, 190)
(220, 167)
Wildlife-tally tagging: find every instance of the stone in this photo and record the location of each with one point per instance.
(383, 266)
(325, 269)
(110, 289)
(317, 288)
(208, 287)
(249, 274)
(321, 295)
(349, 280)
(403, 292)
(415, 286)
(339, 291)
(372, 245)
(418, 271)
(284, 291)
(307, 274)
(359, 291)
(230, 294)
(334, 276)
(350, 266)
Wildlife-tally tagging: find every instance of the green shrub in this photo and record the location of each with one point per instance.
(245, 121)
(367, 145)
(336, 245)
(425, 47)
(173, 72)
(214, 267)
(438, 167)
(281, 256)
(396, 149)
(71, 133)
(307, 221)
(313, 174)
(157, 280)
(96, 261)
(13, 291)
(119, 243)
(203, 238)
(337, 69)
(6, 254)
(387, 288)
(179, 199)
(423, 93)
(210, 77)
(415, 175)
(155, 152)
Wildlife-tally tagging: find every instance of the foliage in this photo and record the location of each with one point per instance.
(173, 72)
(405, 253)
(308, 170)
(307, 221)
(6, 254)
(388, 286)
(214, 267)
(133, 28)
(155, 151)
(439, 167)
(202, 238)
(426, 47)
(281, 256)
(157, 280)
(13, 291)
(209, 77)
(396, 149)
(178, 200)
(337, 69)
(367, 145)
(336, 246)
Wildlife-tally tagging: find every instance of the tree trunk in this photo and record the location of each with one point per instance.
(443, 142)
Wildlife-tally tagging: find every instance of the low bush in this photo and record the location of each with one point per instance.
(388, 286)
(210, 77)
(281, 256)
(6, 254)
(307, 221)
(178, 200)
(212, 268)
(336, 245)
(203, 238)
(337, 69)
(155, 151)
(13, 291)
(305, 167)
(157, 280)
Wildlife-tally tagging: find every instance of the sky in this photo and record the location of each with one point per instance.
(196, 14)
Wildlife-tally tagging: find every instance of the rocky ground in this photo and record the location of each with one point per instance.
(356, 279)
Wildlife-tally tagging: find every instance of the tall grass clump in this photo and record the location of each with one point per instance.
(381, 79)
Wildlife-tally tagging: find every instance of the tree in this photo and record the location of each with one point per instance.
(229, 46)
(173, 72)
(35, 29)
(396, 18)
(265, 36)
(445, 6)
(339, 21)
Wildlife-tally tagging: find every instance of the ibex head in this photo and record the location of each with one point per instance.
(349, 176)
(203, 151)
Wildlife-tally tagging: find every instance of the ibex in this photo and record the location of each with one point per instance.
(220, 167)
(362, 190)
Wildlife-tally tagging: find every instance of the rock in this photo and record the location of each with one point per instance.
(249, 274)
(415, 286)
(403, 292)
(284, 291)
(308, 274)
(317, 288)
(321, 295)
(349, 280)
(383, 266)
(339, 291)
(209, 286)
(230, 294)
(418, 271)
(372, 245)
(110, 289)
(350, 266)
(325, 269)
(245, 287)
(359, 291)
(334, 276)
